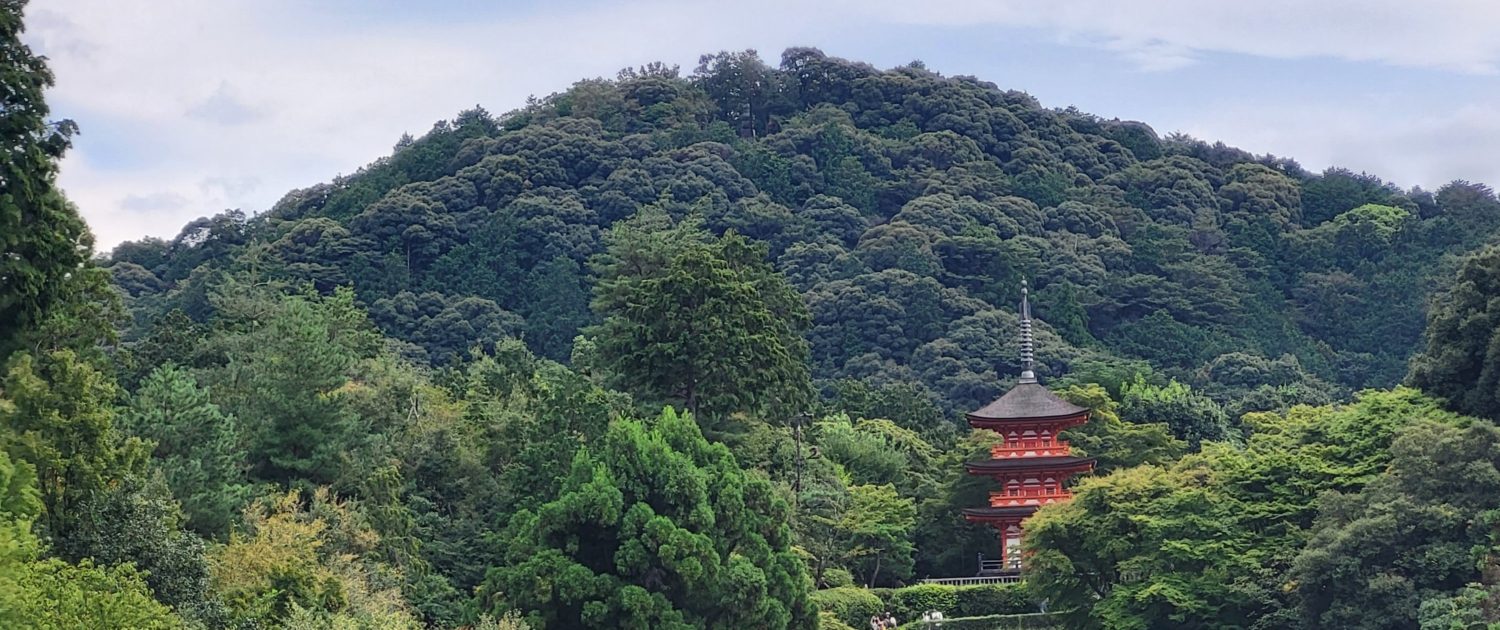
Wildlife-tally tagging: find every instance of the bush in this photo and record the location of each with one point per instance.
(913, 601)
(851, 604)
(992, 599)
(1033, 621)
(836, 577)
(830, 621)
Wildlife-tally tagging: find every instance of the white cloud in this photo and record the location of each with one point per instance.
(1458, 35)
(1428, 150)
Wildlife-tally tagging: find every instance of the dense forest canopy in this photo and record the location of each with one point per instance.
(679, 351)
(904, 207)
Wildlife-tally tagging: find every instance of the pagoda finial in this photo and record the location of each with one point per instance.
(1027, 352)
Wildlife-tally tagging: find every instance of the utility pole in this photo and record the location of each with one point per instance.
(797, 422)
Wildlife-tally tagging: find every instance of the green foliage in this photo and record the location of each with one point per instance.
(55, 416)
(877, 527)
(851, 605)
(296, 563)
(1407, 536)
(913, 601)
(284, 379)
(700, 320)
(993, 599)
(137, 523)
(49, 593)
(1191, 417)
(653, 526)
(1459, 363)
(1209, 539)
(1114, 443)
(197, 447)
(43, 242)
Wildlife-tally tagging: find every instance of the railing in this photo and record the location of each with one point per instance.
(970, 581)
(1033, 448)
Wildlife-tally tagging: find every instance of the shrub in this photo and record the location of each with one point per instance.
(1033, 621)
(851, 604)
(836, 577)
(830, 621)
(911, 602)
(992, 599)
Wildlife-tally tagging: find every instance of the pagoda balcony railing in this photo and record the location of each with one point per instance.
(1031, 448)
(1028, 497)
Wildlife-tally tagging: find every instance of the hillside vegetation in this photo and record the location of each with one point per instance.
(671, 351)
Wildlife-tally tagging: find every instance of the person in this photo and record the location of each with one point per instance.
(890, 620)
(876, 623)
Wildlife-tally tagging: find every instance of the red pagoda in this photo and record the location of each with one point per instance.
(1032, 464)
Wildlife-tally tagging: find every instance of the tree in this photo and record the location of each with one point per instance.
(558, 307)
(307, 562)
(1409, 536)
(1145, 547)
(877, 528)
(1191, 416)
(1461, 360)
(198, 448)
(43, 241)
(51, 594)
(701, 320)
(136, 523)
(55, 415)
(1114, 443)
(654, 527)
(283, 380)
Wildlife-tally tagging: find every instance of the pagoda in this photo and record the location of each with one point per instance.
(1032, 464)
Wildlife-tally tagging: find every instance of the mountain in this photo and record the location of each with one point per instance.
(905, 206)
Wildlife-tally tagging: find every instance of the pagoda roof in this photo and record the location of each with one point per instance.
(1028, 400)
(1003, 464)
(1018, 511)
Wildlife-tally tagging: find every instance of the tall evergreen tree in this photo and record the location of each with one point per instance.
(43, 241)
(199, 448)
(655, 527)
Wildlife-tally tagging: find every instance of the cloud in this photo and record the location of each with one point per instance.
(153, 202)
(225, 107)
(1452, 35)
(229, 187)
(1430, 149)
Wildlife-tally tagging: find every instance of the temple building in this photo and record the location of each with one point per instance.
(1032, 464)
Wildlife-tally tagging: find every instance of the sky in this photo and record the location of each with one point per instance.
(192, 107)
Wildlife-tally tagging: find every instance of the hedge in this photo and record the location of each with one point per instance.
(854, 605)
(850, 604)
(914, 601)
(993, 599)
(1033, 621)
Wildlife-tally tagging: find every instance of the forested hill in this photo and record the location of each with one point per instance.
(905, 206)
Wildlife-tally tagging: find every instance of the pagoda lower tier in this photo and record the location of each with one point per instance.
(1025, 482)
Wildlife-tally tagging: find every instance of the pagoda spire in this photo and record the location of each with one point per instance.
(1027, 351)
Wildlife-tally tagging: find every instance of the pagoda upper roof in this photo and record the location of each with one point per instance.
(1028, 400)
(1061, 463)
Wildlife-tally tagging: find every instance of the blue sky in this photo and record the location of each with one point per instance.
(191, 107)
